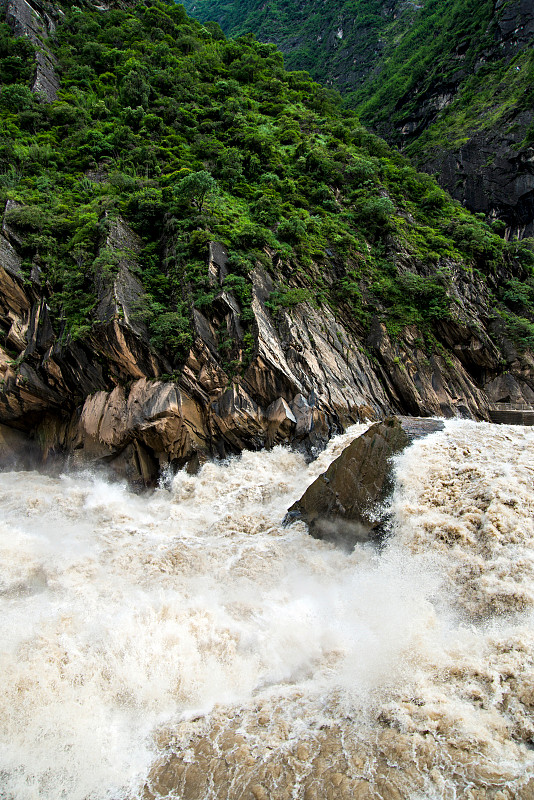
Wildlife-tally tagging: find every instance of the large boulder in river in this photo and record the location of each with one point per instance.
(344, 503)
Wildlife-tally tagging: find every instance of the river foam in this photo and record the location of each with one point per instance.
(185, 645)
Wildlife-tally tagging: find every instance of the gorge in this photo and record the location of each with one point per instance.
(187, 645)
(224, 305)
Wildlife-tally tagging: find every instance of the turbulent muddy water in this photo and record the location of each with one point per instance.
(184, 645)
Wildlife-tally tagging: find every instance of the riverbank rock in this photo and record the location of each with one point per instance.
(346, 503)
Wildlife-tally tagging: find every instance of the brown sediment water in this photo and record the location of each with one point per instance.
(186, 645)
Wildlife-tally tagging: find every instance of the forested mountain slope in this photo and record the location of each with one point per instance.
(451, 82)
(200, 251)
(338, 43)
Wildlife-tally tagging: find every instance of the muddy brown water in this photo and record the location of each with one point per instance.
(185, 645)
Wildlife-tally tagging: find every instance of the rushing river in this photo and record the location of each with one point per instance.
(185, 645)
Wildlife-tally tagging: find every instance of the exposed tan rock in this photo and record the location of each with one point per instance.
(282, 422)
(328, 362)
(310, 353)
(167, 420)
(203, 371)
(426, 385)
(13, 297)
(129, 355)
(269, 375)
(507, 389)
(16, 337)
(113, 429)
(238, 419)
(92, 413)
(160, 421)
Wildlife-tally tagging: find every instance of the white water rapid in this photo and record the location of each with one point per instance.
(184, 645)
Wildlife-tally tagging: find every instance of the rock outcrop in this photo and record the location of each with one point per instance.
(345, 504)
(487, 161)
(236, 353)
(492, 172)
(102, 400)
(37, 20)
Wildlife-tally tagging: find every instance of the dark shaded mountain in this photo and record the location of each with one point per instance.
(449, 82)
(201, 252)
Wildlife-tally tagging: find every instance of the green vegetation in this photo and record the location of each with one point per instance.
(436, 45)
(192, 138)
(390, 59)
(337, 42)
(487, 99)
(16, 62)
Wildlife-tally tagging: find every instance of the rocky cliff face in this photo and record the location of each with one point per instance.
(492, 173)
(109, 399)
(105, 399)
(489, 166)
(470, 125)
(255, 372)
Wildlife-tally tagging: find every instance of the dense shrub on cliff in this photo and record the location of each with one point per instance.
(383, 50)
(321, 36)
(192, 138)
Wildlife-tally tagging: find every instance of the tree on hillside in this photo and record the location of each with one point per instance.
(195, 188)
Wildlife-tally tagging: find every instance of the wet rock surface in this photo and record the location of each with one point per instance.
(303, 372)
(17, 451)
(343, 505)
